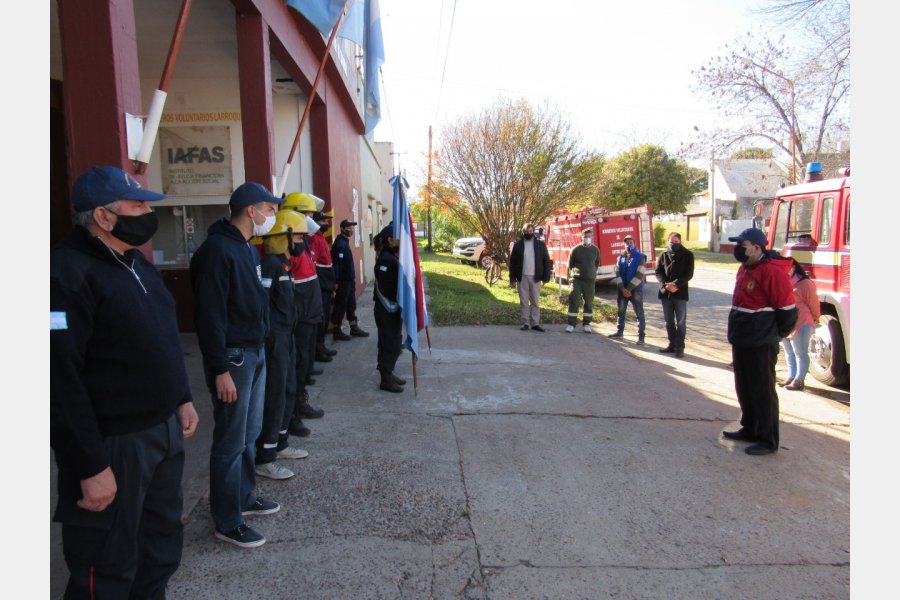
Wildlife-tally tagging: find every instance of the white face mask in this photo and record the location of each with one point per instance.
(588, 240)
(266, 226)
(311, 226)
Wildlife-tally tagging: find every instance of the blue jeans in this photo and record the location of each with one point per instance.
(796, 351)
(675, 313)
(232, 473)
(637, 301)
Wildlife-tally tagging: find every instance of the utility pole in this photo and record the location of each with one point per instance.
(430, 198)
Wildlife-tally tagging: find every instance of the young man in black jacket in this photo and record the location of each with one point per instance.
(345, 285)
(529, 267)
(674, 269)
(232, 319)
(120, 403)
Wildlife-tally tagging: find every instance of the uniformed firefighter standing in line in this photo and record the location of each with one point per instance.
(308, 298)
(387, 311)
(345, 285)
(325, 271)
(278, 280)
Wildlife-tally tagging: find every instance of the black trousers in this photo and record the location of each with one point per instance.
(304, 355)
(390, 337)
(754, 384)
(326, 315)
(132, 548)
(344, 304)
(280, 369)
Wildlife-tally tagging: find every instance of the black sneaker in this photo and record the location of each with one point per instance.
(298, 429)
(340, 336)
(617, 334)
(537, 328)
(261, 507)
(679, 353)
(242, 536)
(668, 349)
(524, 327)
(304, 410)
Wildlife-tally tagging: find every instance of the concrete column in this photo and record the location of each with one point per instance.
(254, 70)
(101, 81)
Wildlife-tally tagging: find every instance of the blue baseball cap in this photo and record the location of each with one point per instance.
(100, 186)
(250, 193)
(754, 236)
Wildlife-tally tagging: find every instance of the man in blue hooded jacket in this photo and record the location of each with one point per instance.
(630, 281)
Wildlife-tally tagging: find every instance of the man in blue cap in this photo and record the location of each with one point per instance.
(232, 319)
(120, 403)
(762, 314)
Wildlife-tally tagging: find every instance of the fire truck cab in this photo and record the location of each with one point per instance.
(563, 232)
(811, 222)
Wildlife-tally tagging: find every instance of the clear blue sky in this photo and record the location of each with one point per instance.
(620, 72)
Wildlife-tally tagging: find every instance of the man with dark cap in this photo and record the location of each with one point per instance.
(630, 285)
(387, 311)
(345, 285)
(762, 314)
(120, 403)
(232, 319)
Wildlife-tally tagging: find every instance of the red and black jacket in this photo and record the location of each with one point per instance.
(762, 306)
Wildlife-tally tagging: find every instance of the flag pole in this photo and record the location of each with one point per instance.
(159, 96)
(415, 375)
(312, 95)
(428, 338)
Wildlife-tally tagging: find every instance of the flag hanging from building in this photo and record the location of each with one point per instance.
(410, 289)
(323, 14)
(374, 59)
(362, 26)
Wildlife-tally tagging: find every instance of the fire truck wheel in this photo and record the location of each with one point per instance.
(827, 357)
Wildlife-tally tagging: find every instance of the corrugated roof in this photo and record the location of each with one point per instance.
(752, 177)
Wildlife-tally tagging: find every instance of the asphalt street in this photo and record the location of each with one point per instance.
(530, 465)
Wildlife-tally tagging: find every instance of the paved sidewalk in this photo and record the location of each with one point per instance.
(532, 465)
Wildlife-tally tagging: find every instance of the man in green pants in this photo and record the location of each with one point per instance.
(584, 259)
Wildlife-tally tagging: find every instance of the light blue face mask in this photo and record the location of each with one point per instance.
(312, 226)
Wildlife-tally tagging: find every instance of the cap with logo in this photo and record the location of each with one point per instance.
(100, 186)
(753, 235)
(250, 193)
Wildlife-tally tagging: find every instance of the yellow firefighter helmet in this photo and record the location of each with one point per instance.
(288, 219)
(301, 202)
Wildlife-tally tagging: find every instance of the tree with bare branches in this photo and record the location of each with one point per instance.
(511, 164)
(793, 93)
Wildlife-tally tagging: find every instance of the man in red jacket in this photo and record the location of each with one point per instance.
(762, 314)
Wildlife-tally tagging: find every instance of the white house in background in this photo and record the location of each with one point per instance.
(741, 190)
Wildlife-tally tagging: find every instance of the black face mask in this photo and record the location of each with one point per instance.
(528, 236)
(346, 232)
(135, 231)
(674, 246)
(740, 254)
(297, 248)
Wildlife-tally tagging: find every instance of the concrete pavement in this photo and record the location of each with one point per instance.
(533, 465)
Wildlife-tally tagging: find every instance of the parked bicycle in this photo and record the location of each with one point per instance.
(493, 269)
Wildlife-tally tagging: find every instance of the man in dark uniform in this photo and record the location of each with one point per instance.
(762, 314)
(387, 311)
(345, 285)
(120, 403)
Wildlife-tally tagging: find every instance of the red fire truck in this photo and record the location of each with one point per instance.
(563, 231)
(811, 222)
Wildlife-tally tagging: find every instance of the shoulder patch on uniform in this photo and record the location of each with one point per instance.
(267, 282)
(58, 320)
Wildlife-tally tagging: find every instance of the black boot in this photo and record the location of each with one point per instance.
(387, 382)
(340, 336)
(297, 427)
(304, 410)
(397, 380)
(355, 331)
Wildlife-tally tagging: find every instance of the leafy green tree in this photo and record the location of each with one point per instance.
(646, 174)
(754, 153)
(511, 164)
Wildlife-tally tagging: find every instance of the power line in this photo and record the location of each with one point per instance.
(446, 56)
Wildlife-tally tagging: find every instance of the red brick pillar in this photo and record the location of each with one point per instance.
(254, 70)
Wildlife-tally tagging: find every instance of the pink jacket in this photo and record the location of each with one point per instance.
(807, 304)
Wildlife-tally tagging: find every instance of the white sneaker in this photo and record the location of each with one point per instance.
(570, 328)
(274, 470)
(291, 453)
(587, 329)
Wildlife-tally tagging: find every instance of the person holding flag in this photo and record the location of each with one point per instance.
(388, 318)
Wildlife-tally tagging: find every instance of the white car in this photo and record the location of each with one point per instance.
(470, 250)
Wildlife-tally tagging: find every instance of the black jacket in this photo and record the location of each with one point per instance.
(342, 260)
(116, 362)
(543, 268)
(278, 280)
(387, 279)
(677, 266)
(231, 307)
